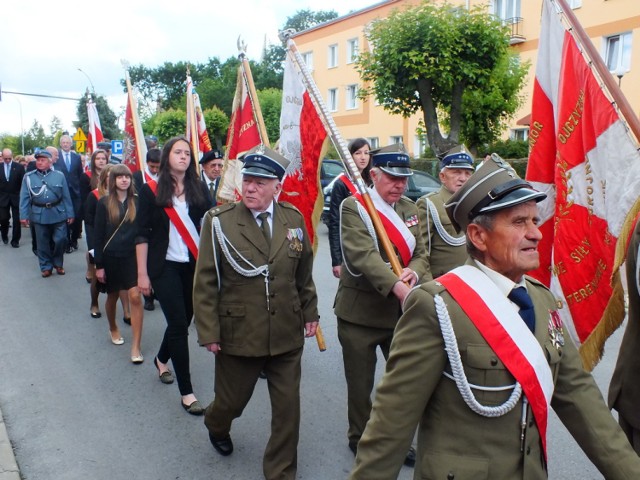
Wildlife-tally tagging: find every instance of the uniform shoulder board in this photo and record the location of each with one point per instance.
(289, 206)
(31, 172)
(218, 209)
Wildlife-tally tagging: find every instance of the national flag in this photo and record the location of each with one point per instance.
(303, 141)
(242, 136)
(583, 157)
(194, 113)
(135, 148)
(94, 135)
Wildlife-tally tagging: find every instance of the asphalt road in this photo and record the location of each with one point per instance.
(76, 408)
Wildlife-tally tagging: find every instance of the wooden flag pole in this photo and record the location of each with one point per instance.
(142, 161)
(253, 94)
(341, 145)
(603, 72)
(192, 119)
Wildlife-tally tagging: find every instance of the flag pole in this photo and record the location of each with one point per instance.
(253, 95)
(142, 161)
(192, 126)
(341, 145)
(603, 72)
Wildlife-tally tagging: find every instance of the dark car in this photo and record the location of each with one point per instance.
(419, 184)
(329, 170)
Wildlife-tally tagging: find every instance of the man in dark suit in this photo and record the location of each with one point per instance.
(480, 356)
(150, 172)
(70, 164)
(212, 164)
(10, 182)
(624, 391)
(254, 303)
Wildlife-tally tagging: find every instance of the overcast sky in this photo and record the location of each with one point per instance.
(44, 43)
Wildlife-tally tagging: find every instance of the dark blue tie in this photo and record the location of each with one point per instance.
(520, 297)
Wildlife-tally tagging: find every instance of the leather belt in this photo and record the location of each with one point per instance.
(48, 204)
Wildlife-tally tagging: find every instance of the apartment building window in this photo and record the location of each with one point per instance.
(352, 50)
(506, 10)
(352, 97)
(373, 142)
(395, 139)
(520, 134)
(332, 100)
(419, 145)
(308, 60)
(332, 58)
(618, 52)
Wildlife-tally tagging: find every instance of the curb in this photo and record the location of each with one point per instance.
(8, 466)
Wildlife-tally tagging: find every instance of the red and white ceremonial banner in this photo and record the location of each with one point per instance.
(135, 148)
(584, 159)
(194, 111)
(95, 130)
(303, 141)
(242, 136)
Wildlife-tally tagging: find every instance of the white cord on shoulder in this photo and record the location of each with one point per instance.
(368, 224)
(446, 237)
(224, 246)
(42, 190)
(451, 346)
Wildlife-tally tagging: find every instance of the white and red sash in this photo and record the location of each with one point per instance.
(189, 235)
(147, 178)
(398, 232)
(505, 332)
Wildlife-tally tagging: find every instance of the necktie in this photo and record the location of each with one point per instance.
(520, 297)
(211, 189)
(266, 231)
(7, 170)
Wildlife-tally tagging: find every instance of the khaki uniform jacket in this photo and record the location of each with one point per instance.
(230, 308)
(366, 298)
(624, 391)
(442, 257)
(455, 442)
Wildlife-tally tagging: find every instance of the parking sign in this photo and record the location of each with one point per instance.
(117, 146)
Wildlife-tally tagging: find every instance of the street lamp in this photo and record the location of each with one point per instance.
(620, 71)
(93, 90)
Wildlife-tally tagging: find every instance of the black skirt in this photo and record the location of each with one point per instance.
(121, 272)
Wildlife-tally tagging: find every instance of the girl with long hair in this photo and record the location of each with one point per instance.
(166, 260)
(115, 254)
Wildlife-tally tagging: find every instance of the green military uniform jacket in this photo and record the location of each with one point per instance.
(232, 309)
(624, 391)
(364, 294)
(453, 441)
(443, 257)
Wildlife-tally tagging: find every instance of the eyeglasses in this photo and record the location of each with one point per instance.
(217, 165)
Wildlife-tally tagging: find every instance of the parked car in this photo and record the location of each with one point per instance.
(419, 184)
(329, 170)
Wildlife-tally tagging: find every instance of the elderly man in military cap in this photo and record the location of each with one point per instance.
(481, 354)
(212, 163)
(46, 203)
(370, 293)
(445, 247)
(254, 303)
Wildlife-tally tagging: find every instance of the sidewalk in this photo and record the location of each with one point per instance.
(8, 466)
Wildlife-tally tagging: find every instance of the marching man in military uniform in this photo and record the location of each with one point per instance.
(45, 201)
(480, 355)
(446, 248)
(255, 302)
(370, 293)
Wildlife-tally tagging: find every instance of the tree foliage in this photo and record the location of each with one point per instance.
(442, 60)
(217, 125)
(108, 119)
(271, 103)
(304, 19)
(169, 124)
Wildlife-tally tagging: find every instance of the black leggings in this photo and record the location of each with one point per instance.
(173, 289)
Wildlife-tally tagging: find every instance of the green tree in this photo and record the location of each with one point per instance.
(304, 19)
(169, 124)
(108, 119)
(271, 103)
(217, 125)
(430, 58)
(35, 137)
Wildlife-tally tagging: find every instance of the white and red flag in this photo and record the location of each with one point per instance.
(94, 136)
(195, 115)
(135, 148)
(303, 141)
(242, 136)
(583, 157)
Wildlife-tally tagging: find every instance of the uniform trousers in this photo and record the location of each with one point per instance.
(51, 239)
(173, 289)
(235, 380)
(359, 354)
(632, 433)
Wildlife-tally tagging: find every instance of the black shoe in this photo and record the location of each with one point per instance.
(69, 249)
(148, 304)
(223, 446)
(5, 239)
(74, 244)
(410, 459)
(262, 374)
(15, 244)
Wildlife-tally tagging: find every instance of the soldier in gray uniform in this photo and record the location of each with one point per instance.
(445, 247)
(45, 202)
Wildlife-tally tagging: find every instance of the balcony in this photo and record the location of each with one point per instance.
(516, 26)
